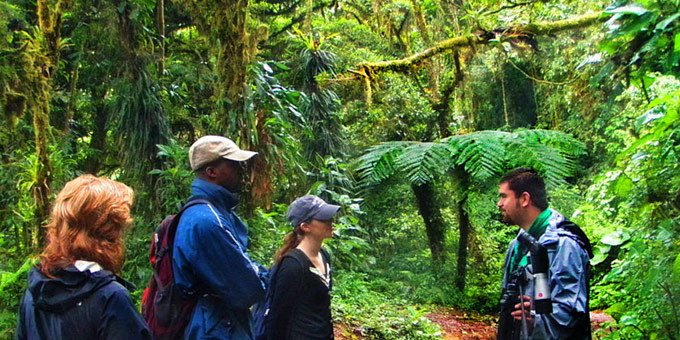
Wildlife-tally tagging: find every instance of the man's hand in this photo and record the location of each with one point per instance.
(517, 312)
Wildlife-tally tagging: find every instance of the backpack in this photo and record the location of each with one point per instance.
(167, 309)
(582, 327)
(261, 316)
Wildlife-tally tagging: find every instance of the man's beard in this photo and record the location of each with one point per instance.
(505, 218)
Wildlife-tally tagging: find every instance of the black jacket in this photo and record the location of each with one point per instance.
(79, 305)
(301, 303)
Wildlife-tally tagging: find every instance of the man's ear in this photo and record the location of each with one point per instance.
(209, 171)
(525, 199)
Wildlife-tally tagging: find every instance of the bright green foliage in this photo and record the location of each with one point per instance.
(483, 155)
(635, 206)
(377, 316)
(645, 34)
(12, 286)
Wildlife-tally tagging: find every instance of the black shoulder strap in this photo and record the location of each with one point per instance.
(578, 235)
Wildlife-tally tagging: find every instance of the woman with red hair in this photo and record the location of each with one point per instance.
(74, 292)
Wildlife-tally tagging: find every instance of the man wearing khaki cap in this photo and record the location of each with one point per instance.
(210, 256)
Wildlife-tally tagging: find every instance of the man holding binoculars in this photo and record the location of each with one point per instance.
(545, 277)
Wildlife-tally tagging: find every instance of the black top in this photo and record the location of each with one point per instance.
(79, 305)
(301, 301)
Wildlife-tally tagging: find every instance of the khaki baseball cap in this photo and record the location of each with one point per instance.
(209, 148)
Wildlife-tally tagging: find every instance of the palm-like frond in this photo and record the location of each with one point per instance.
(482, 154)
(546, 160)
(553, 153)
(423, 162)
(565, 143)
(378, 163)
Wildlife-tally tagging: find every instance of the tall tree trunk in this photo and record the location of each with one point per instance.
(434, 222)
(464, 229)
(46, 62)
(232, 60)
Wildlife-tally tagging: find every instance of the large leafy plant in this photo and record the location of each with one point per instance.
(639, 201)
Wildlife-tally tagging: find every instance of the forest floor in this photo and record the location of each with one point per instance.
(456, 324)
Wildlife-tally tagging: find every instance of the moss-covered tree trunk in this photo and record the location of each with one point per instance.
(462, 179)
(233, 58)
(45, 62)
(434, 222)
(224, 22)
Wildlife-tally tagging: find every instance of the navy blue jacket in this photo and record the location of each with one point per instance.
(210, 258)
(79, 305)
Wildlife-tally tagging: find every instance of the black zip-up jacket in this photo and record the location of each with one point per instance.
(301, 304)
(79, 305)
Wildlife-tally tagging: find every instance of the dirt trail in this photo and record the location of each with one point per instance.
(456, 324)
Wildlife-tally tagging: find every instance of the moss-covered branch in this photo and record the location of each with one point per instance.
(480, 38)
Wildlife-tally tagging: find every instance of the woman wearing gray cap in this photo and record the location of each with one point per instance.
(301, 302)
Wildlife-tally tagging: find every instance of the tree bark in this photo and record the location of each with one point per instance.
(46, 62)
(464, 229)
(434, 222)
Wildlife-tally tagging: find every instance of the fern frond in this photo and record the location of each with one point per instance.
(566, 143)
(482, 154)
(423, 162)
(554, 163)
(378, 163)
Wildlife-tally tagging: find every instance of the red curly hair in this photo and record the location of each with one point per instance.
(88, 221)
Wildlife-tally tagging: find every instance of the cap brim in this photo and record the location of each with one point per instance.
(240, 155)
(326, 212)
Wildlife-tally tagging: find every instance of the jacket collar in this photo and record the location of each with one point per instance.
(219, 196)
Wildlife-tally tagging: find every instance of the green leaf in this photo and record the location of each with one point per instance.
(664, 23)
(676, 269)
(615, 238)
(600, 253)
(617, 309)
(623, 185)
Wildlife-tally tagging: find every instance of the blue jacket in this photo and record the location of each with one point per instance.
(210, 258)
(79, 305)
(568, 283)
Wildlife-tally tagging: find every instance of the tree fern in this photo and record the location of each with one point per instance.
(378, 163)
(423, 162)
(482, 154)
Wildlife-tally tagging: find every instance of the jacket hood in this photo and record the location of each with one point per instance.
(69, 287)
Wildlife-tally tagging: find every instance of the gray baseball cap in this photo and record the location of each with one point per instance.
(310, 207)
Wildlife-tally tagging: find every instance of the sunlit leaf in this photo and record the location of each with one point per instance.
(615, 238)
